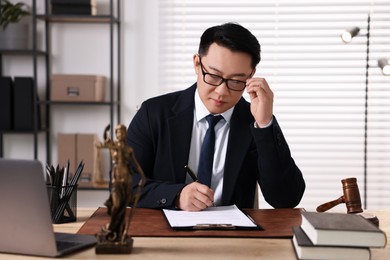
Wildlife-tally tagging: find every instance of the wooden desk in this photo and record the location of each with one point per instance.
(197, 248)
(276, 223)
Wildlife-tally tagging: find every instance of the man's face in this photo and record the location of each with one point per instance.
(227, 64)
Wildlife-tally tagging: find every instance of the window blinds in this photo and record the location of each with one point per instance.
(318, 82)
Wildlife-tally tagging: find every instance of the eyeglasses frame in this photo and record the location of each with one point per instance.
(204, 73)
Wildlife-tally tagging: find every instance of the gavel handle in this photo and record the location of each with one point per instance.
(324, 207)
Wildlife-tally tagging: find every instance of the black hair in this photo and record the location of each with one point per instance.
(232, 36)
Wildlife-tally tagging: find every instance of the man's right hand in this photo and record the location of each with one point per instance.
(195, 197)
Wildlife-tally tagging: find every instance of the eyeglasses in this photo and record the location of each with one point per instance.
(215, 80)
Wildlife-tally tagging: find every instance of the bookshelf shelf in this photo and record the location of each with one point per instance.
(79, 19)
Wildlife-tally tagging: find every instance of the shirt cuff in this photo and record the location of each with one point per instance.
(267, 125)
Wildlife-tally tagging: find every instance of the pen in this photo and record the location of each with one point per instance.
(66, 174)
(49, 177)
(65, 179)
(191, 173)
(193, 176)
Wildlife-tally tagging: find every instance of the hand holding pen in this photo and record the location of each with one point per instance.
(195, 196)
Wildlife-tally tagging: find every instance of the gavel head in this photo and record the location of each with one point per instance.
(351, 195)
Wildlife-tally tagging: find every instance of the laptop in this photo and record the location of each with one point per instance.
(25, 221)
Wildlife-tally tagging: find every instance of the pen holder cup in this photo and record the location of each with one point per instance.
(63, 203)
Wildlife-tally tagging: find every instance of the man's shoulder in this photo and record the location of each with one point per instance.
(171, 98)
(164, 97)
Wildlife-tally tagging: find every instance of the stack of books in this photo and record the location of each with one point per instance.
(336, 236)
(73, 7)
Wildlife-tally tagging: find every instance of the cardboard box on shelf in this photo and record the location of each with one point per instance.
(67, 151)
(80, 147)
(77, 88)
(86, 151)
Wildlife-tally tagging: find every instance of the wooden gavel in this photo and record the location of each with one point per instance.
(351, 198)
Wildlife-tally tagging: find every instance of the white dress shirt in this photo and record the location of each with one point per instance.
(199, 129)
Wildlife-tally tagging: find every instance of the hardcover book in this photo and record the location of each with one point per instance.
(304, 249)
(341, 230)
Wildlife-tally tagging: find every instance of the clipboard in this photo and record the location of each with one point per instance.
(213, 218)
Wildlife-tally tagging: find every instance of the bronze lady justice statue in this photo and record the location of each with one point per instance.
(113, 238)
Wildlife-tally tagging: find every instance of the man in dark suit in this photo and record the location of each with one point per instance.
(167, 133)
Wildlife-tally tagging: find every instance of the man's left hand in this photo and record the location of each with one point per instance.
(262, 99)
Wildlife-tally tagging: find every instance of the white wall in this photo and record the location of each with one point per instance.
(140, 54)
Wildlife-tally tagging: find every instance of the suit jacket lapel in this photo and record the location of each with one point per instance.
(180, 130)
(239, 140)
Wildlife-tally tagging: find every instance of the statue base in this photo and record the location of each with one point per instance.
(114, 247)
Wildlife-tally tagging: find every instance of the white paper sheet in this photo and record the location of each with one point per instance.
(223, 215)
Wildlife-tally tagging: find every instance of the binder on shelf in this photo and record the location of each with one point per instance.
(6, 103)
(23, 105)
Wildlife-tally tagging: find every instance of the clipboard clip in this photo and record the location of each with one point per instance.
(213, 226)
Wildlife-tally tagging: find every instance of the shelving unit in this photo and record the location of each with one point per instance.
(113, 100)
(33, 53)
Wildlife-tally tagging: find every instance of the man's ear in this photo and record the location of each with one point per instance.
(253, 73)
(196, 62)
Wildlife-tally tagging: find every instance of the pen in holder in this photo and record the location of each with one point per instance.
(63, 195)
(63, 203)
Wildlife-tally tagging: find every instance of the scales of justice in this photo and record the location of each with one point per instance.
(113, 238)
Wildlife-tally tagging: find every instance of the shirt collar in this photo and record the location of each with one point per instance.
(201, 110)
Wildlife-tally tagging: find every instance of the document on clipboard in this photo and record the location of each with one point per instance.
(215, 218)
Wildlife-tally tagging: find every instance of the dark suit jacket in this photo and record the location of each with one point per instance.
(160, 134)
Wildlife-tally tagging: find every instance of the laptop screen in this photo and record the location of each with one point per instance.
(25, 220)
